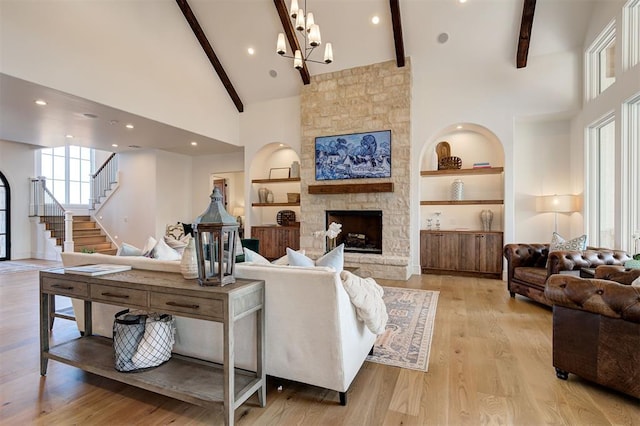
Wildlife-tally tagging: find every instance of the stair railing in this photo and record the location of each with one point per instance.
(103, 179)
(44, 204)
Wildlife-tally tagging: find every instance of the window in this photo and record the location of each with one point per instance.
(600, 62)
(68, 173)
(631, 31)
(631, 174)
(5, 216)
(602, 167)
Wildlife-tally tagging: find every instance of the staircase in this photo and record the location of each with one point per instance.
(87, 237)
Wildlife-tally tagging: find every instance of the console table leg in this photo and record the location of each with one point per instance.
(261, 373)
(44, 331)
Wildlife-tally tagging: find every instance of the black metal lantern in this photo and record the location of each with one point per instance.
(216, 235)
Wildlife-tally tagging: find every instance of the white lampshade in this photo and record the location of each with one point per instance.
(314, 35)
(309, 21)
(281, 48)
(300, 20)
(328, 53)
(297, 60)
(293, 10)
(557, 203)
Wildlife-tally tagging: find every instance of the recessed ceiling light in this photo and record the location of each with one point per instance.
(135, 146)
(129, 126)
(459, 127)
(69, 136)
(462, 1)
(375, 20)
(194, 143)
(251, 51)
(273, 73)
(115, 145)
(112, 122)
(40, 102)
(90, 115)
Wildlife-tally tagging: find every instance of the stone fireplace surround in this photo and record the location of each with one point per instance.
(370, 98)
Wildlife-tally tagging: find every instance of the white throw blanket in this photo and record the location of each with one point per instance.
(366, 296)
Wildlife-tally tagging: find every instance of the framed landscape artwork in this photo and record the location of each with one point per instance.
(354, 156)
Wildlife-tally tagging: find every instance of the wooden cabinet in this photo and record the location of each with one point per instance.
(274, 239)
(461, 253)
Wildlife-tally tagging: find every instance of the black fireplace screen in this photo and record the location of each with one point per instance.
(361, 229)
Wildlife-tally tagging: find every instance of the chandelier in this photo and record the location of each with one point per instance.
(310, 31)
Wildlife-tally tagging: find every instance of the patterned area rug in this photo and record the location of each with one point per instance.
(407, 338)
(10, 267)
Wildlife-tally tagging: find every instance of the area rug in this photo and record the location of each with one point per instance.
(407, 337)
(10, 267)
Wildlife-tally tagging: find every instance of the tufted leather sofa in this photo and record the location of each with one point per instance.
(596, 327)
(528, 269)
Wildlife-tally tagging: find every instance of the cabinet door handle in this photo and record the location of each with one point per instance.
(181, 305)
(62, 287)
(119, 296)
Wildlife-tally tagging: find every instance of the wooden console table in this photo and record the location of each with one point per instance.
(195, 381)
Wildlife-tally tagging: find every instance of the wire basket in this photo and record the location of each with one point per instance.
(286, 217)
(450, 163)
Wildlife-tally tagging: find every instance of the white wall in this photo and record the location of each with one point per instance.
(16, 163)
(173, 190)
(542, 167)
(161, 87)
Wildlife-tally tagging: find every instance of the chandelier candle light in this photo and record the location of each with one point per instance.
(310, 31)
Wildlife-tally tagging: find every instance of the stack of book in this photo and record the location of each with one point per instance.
(483, 165)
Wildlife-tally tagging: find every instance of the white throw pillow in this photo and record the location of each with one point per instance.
(636, 282)
(128, 250)
(252, 256)
(334, 259)
(298, 259)
(558, 243)
(163, 252)
(148, 247)
(284, 260)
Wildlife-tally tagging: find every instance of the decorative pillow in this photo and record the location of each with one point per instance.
(334, 259)
(177, 244)
(252, 256)
(636, 282)
(558, 243)
(187, 228)
(148, 247)
(128, 250)
(162, 251)
(284, 260)
(175, 231)
(298, 259)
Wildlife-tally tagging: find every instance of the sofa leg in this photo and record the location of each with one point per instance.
(512, 294)
(371, 351)
(561, 374)
(343, 398)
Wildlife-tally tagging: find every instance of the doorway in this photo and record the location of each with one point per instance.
(5, 219)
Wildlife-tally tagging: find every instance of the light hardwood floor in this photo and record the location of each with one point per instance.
(490, 364)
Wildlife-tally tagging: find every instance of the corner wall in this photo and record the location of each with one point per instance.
(369, 98)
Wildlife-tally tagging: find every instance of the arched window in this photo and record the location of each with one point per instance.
(5, 219)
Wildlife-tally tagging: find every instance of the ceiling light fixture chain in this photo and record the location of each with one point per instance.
(310, 32)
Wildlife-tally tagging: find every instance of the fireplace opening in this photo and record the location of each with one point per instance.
(361, 230)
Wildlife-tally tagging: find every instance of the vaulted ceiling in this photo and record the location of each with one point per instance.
(137, 33)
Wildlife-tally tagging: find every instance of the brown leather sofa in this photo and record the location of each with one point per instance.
(528, 269)
(596, 327)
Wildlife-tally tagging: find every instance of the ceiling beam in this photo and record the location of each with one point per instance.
(283, 13)
(397, 32)
(208, 50)
(525, 33)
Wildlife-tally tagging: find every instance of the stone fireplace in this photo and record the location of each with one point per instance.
(361, 230)
(364, 99)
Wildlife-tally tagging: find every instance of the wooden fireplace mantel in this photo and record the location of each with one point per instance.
(351, 188)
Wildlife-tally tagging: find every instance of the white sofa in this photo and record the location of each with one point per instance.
(312, 333)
